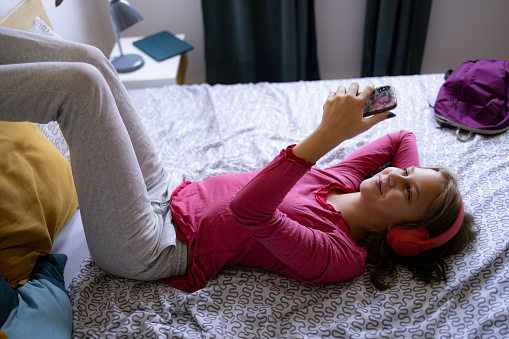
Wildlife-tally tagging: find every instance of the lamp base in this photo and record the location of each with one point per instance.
(127, 63)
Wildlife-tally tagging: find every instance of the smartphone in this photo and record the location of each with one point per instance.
(382, 99)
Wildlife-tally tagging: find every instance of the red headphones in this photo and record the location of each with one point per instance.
(409, 243)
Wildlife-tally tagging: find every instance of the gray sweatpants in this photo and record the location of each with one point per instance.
(123, 189)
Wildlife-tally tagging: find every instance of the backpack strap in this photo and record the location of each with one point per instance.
(462, 136)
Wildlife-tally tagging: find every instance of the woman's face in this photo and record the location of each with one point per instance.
(396, 196)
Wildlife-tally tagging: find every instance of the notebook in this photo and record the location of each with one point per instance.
(162, 45)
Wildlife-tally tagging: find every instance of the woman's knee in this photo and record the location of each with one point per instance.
(91, 55)
(84, 76)
(82, 82)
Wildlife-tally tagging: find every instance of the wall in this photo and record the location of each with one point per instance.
(339, 35)
(459, 30)
(84, 21)
(5, 5)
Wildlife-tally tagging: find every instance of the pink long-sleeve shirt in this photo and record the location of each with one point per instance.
(278, 219)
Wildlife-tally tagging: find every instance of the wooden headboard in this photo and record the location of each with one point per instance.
(23, 14)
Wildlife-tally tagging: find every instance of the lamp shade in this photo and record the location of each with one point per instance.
(123, 15)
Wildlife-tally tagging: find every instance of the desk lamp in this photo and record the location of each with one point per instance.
(123, 15)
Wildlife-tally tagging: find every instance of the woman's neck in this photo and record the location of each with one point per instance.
(348, 205)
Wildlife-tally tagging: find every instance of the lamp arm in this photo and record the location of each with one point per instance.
(117, 36)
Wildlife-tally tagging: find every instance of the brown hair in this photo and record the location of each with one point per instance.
(429, 266)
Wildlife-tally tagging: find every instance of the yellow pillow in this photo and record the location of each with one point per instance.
(37, 198)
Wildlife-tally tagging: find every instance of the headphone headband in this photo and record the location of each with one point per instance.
(408, 243)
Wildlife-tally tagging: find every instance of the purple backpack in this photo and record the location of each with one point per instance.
(474, 98)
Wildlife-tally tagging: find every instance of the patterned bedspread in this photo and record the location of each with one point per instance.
(220, 129)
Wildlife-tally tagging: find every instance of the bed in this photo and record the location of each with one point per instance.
(209, 130)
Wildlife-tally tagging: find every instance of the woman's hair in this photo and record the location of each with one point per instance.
(428, 266)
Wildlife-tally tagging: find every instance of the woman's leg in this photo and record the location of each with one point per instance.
(25, 47)
(125, 236)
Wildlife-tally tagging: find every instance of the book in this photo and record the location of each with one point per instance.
(162, 45)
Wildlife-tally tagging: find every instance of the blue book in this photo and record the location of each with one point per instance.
(162, 45)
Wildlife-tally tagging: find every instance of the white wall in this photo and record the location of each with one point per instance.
(459, 30)
(84, 21)
(339, 35)
(5, 5)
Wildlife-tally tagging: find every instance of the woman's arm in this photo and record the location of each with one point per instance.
(398, 149)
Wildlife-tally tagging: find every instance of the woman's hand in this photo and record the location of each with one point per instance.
(342, 119)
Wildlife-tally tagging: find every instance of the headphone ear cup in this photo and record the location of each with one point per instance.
(406, 242)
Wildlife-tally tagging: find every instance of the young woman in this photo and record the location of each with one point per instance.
(144, 223)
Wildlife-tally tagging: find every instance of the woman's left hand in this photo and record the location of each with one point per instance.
(342, 119)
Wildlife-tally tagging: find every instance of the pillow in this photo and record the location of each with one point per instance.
(37, 198)
(39, 26)
(41, 307)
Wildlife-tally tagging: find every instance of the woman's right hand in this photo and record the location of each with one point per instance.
(342, 119)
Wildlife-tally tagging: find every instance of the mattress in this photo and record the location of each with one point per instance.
(210, 130)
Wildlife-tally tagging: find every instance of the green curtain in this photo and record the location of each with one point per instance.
(394, 36)
(259, 40)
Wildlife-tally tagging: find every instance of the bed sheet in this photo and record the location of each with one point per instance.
(71, 242)
(210, 130)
